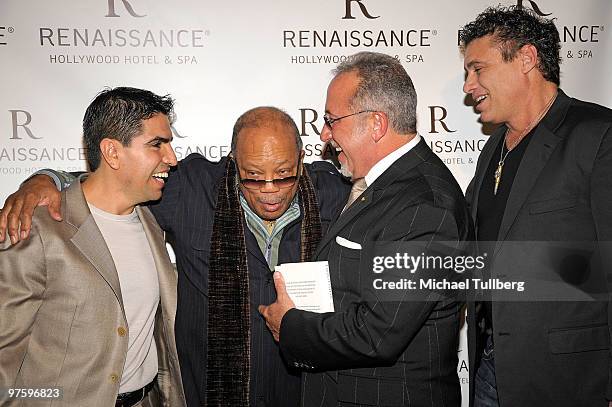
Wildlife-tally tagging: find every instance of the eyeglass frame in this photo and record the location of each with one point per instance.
(262, 182)
(328, 121)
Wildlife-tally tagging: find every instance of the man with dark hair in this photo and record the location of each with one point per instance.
(230, 223)
(118, 114)
(88, 304)
(543, 176)
(378, 352)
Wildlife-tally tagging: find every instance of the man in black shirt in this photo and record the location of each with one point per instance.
(543, 176)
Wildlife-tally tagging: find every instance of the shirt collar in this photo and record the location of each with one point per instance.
(382, 166)
(292, 213)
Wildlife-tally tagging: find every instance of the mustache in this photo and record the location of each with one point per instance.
(269, 200)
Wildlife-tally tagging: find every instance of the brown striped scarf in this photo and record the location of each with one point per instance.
(228, 364)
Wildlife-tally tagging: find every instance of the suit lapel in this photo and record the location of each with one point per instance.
(360, 204)
(252, 246)
(88, 238)
(165, 271)
(539, 150)
(168, 281)
(399, 168)
(536, 156)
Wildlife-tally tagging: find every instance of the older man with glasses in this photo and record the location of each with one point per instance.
(378, 349)
(230, 223)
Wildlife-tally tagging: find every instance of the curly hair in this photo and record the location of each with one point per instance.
(512, 28)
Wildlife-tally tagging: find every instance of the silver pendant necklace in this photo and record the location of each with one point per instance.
(502, 157)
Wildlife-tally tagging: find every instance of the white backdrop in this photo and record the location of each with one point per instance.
(219, 59)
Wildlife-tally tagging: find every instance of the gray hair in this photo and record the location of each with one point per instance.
(385, 86)
(259, 117)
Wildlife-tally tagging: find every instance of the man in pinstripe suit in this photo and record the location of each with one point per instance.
(401, 353)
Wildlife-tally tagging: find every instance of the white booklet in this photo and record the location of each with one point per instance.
(308, 284)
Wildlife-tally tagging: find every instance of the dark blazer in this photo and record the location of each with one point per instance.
(186, 212)
(552, 353)
(384, 353)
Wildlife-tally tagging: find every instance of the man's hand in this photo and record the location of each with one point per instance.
(275, 312)
(19, 207)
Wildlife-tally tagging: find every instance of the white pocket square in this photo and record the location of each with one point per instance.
(347, 243)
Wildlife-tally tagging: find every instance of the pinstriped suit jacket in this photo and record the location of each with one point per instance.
(386, 353)
(62, 316)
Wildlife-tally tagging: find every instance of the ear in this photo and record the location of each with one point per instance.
(302, 155)
(528, 55)
(379, 125)
(109, 150)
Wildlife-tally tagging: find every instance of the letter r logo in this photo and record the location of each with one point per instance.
(128, 7)
(534, 7)
(27, 119)
(362, 7)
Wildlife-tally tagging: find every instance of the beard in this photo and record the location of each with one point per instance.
(345, 171)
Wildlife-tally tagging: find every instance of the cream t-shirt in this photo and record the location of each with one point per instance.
(131, 252)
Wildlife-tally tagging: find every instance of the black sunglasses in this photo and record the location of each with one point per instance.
(280, 183)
